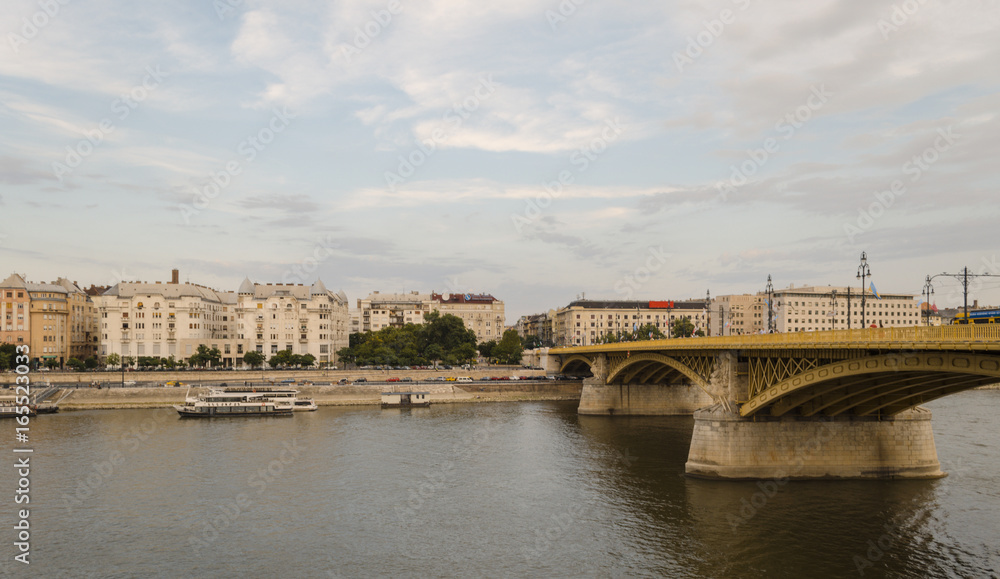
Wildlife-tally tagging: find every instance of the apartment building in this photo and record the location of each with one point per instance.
(817, 308)
(481, 313)
(583, 322)
(173, 319)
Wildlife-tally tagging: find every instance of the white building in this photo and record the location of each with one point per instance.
(173, 319)
(814, 308)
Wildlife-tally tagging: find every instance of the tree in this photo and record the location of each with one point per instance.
(128, 360)
(76, 364)
(170, 363)
(681, 327)
(51, 363)
(253, 359)
(434, 354)
(307, 360)
(609, 338)
(464, 353)
(91, 362)
(282, 358)
(112, 359)
(486, 348)
(649, 332)
(7, 356)
(509, 350)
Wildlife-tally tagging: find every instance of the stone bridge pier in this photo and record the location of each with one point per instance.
(630, 397)
(726, 445)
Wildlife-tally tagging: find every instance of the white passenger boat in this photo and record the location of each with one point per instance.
(221, 403)
(279, 394)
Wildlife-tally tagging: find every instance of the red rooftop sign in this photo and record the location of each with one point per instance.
(661, 305)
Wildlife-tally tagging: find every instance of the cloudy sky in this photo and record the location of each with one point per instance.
(535, 150)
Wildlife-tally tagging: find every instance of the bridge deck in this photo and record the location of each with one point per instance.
(944, 338)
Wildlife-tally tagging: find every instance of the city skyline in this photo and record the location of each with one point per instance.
(532, 150)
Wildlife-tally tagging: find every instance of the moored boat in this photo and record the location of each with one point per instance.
(279, 393)
(405, 399)
(221, 403)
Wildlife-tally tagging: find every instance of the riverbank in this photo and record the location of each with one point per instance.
(347, 395)
(160, 378)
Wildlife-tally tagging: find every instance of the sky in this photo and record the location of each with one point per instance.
(534, 150)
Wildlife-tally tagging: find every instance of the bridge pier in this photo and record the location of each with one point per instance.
(725, 445)
(641, 399)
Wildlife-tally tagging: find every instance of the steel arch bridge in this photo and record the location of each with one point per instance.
(864, 372)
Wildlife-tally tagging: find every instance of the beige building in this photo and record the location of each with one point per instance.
(583, 322)
(15, 304)
(173, 319)
(83, 325)
(56, 320)
(738, 314)
(817, 308)
(481, 313)
(539, 325)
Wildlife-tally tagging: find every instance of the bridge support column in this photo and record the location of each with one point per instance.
(641, 399)
(728, 446)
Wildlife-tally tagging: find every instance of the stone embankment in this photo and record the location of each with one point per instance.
(82, 398)
(239, 376)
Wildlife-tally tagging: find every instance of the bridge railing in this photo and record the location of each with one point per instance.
(958, 334)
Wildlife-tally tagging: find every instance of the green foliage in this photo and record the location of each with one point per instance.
(286, 358)
(51, 364)
(681, 327)
(91, 362)
(609, 338)
(486, 348)
(205, 356)
(440, 339)
(128, 360)
(76, 364)
(170, 363)
(509, 350)
(532, 342)
(7, 356)
(649, 332)
(113, 359)
(253, 359)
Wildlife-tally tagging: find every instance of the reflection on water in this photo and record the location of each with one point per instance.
(519, 489)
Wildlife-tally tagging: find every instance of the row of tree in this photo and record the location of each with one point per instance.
(441, 338)
(679, 328)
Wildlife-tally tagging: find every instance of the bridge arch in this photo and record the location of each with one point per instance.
(649, 365)
(576, 363)
(883, 385)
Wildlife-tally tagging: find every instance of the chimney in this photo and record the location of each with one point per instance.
(175, 276)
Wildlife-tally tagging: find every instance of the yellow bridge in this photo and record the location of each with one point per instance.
(866, 372)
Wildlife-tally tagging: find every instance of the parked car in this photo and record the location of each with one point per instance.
(359, 380)
(393, 379)
(407, 379)
(464, 379)
(343, 381)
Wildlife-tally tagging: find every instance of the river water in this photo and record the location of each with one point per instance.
(481, 490)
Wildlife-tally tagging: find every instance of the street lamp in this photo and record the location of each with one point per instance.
(864, 272)
(833, 311)
(769, 290)
(708, 312)
(928, 292)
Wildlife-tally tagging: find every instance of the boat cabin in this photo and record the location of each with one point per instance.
(405, 399)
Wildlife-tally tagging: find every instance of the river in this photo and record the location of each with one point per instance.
(526, 489)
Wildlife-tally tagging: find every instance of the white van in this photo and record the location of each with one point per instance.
(464, 379)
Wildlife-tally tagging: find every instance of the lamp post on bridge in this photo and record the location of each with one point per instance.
(928, 292)
(833, 311)
(708, 312)
(769, 290)
(864, 272)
